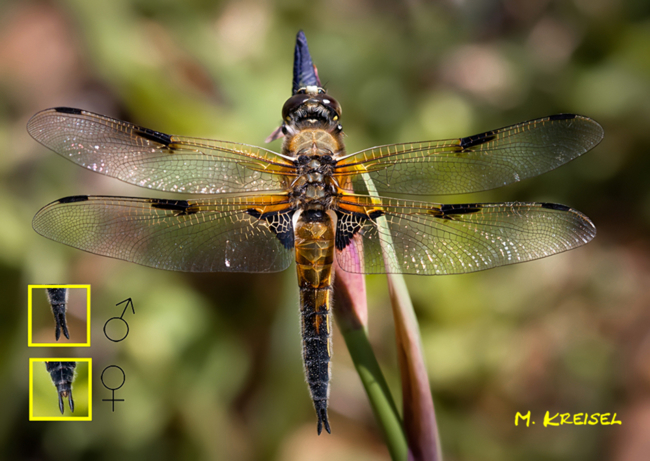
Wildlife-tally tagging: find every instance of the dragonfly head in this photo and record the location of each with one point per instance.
(311, 106)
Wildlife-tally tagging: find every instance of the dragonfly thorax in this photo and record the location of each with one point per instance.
(313, 143)
(314, 185)
(313, 191)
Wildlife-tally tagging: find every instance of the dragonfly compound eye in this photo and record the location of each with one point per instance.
(330, 103)
(293, 103)
(322, 99)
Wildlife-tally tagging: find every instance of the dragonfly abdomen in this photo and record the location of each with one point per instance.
(314, 245)
(58, 299)
(62, 374)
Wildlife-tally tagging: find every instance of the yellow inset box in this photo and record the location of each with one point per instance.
(58, 316)
(60, 389)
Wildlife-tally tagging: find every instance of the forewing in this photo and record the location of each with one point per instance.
(475, 163)
(156, 160)
(228, 234)
(436, 239)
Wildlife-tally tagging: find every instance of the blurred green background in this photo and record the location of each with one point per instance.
(212, 361)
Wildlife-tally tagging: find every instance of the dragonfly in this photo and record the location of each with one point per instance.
(62, 374)
(58, 299)
(312, 202)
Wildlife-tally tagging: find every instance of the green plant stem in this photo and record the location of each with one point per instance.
(419, 424)
(376, 387)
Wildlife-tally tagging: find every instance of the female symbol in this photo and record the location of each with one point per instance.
(113, 389)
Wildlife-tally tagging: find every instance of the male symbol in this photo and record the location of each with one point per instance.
(128, 302)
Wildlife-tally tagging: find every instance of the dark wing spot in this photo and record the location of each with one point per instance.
(280, 223)
(348, 224)
(173, 205)
(286, 238)
(562, 116)
(555, 206)
(155, 136)
(74, 198)
(146, 133)
(254, 213)
(68, 110)
(449, 211)
(183, 207)
(477, 139)
(461, 209)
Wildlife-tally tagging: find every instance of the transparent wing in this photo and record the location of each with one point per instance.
(229, 234)
(475, 163)
(156, 160)
(452, 239)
